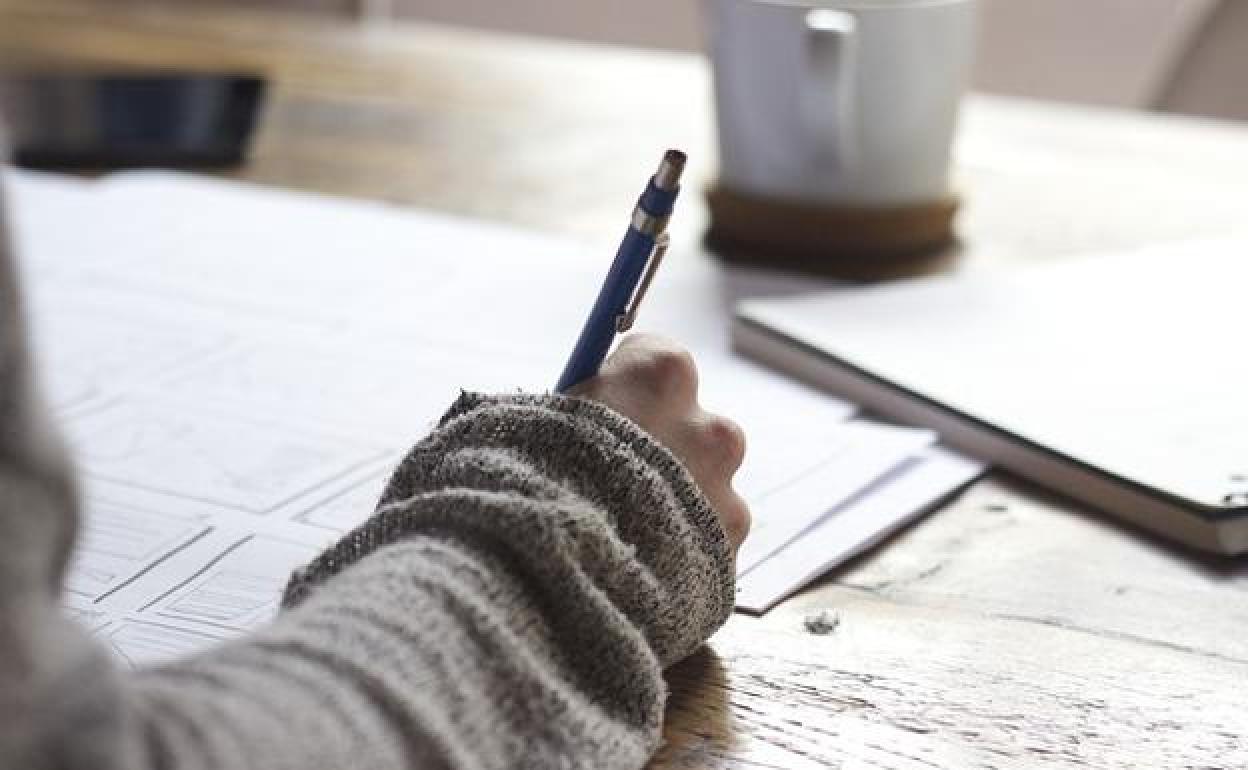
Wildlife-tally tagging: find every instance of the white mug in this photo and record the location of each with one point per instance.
(850, 102)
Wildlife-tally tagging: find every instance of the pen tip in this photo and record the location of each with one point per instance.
(670, 168)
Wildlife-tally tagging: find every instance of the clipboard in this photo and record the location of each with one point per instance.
(1120, 380)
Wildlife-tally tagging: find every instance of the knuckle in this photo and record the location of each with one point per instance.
(670, 370)
(727, 441)
(736, 519)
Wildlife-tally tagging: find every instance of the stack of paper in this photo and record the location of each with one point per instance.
(237, 370)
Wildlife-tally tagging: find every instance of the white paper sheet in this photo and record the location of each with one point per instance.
(864, 520)
(238, 370)
(237, 590)
(116, 544)
(819, 478)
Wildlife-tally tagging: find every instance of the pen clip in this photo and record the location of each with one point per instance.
(624, 322)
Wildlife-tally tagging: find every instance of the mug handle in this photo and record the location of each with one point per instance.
(827, 87)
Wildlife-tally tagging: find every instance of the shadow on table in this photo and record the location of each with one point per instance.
(1211, 565)
(698, 727)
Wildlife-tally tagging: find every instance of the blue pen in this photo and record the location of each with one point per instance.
(630, 275)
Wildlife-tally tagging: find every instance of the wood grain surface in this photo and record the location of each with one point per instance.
(1010, 628)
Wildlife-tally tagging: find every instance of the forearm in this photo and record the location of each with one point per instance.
(535, 564)
(573, 558)
(425, 654)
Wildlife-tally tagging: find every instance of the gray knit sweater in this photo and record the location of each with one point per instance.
(532, 567)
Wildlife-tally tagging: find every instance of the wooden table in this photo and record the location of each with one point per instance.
(1010, 628)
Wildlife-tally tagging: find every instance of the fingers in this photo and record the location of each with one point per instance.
(722, 442)
(735, 516)
(719, 447)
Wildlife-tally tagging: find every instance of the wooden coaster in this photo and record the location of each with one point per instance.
(858, 243)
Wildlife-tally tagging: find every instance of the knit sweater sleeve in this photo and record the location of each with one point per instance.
(533, 565)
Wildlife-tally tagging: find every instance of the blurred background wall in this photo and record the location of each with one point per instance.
(1182, 55)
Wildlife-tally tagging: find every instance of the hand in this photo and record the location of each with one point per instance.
(654, 382)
